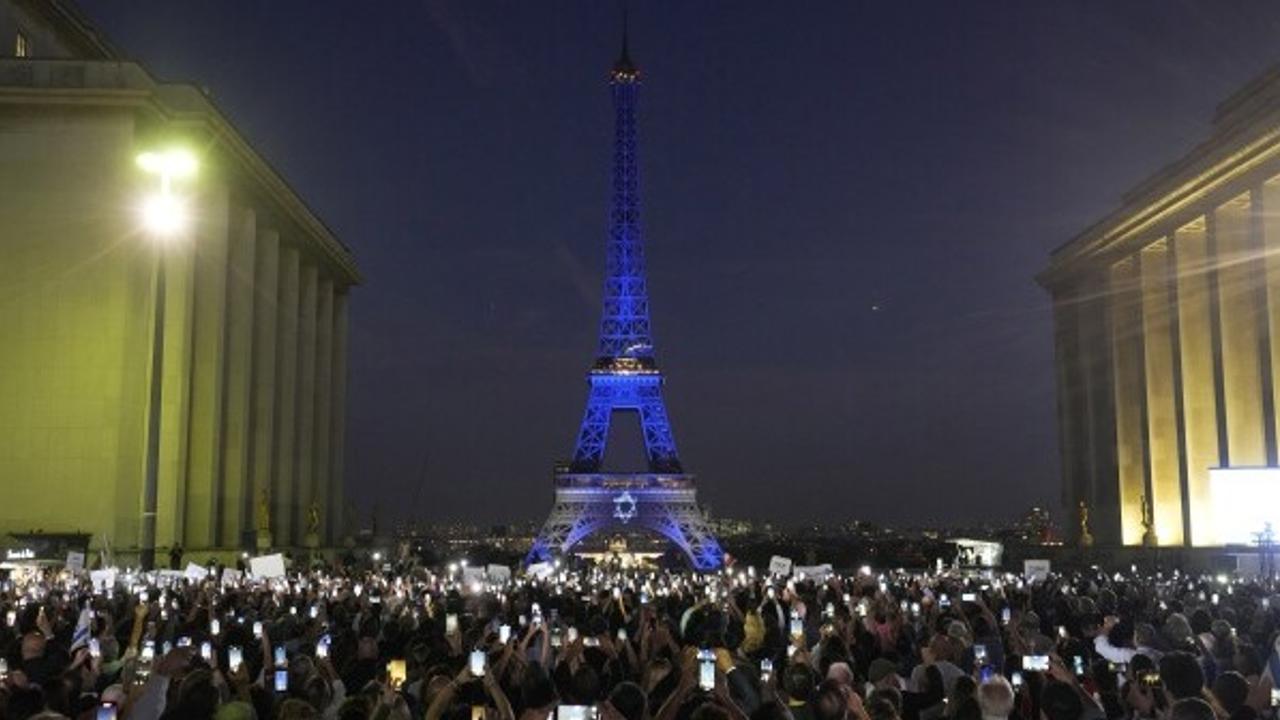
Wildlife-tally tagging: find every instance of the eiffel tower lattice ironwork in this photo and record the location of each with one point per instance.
(625, 377)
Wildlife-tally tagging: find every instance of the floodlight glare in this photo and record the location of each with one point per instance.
(164, 214)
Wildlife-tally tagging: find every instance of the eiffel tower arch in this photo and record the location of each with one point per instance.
(625, 377)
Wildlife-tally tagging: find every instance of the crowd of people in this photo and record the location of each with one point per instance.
(591, 644)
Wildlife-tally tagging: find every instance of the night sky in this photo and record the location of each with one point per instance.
(845, 204)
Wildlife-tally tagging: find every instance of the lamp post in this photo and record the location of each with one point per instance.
(164, 215)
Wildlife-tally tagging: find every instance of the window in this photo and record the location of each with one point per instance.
(22, 46)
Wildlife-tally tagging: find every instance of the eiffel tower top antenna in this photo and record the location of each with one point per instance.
(624, 58)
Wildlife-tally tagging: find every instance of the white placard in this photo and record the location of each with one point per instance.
(472, 575)
(75, 561)
(231, 576)
(267, 566)
(498, 573)
(1035, 570)
(542, 570)
(779, 565)
(103, 580)
(195, 573)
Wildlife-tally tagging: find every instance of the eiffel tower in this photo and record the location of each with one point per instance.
(625, 377)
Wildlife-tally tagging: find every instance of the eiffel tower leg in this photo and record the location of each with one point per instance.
(570, 521)
(684, 524)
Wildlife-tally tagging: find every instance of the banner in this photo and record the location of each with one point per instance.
(813, 572)
(498, 573)
(75, 561)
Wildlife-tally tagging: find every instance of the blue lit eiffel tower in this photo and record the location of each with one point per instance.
(625, 377)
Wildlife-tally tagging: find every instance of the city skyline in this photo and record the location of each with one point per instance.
(868, 256)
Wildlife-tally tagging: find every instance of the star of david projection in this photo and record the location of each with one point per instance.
(624, 507)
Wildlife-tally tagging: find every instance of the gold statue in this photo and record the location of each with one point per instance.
(1148, 522)
(1086, 537)
(313, 519)
(264, 511)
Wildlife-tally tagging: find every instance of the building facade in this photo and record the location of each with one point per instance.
(1167, 334)
(255, 298)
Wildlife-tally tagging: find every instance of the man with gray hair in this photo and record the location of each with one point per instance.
(995, 698)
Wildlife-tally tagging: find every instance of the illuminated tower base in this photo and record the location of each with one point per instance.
(664, 505)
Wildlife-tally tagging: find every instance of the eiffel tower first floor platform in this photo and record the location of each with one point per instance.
(588, 504)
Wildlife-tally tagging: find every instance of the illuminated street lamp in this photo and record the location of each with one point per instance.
(164, 216)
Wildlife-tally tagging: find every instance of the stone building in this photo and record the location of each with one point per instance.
(255, 301)
(1167, 332)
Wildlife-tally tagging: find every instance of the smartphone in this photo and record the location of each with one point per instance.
(622, 634)
(944, 601)
(1016, 680)
(1062, 631)
(1275, 697)
(4, 669)
(766, 670)
(797, 626)
(184, 641)
(257, 629)
(451, 623)
(280, 659)
(986, 673)
(980, 654)
(830, 611)
(572, 634)
(314, 612)
(477, 712)
(206, 651)
(504, 634)
(706, 670)
(322, 649)
(1077, 665)
(969, 597)
(1006, 615)
(396, 672)
(576, 712)
(215, 626)
(1035, 663)
(235, 658)
(11, 618)
(107, 711)
(282, 681)
(477, 662)
(148, 650)
(95, 648)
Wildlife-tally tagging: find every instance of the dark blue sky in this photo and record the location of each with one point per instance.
(802, 163)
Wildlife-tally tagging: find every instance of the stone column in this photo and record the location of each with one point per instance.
(1270, 243)
(1199, 399)
(266, 316)
(208, 358)
(283, 499)
(306, 399)
(237, 487)
(1072, 438)
(338, 421)
(1238, 318)
(324, 402)
(175, 397)
(1130, 395)
(1097, 373)
(1162, 415)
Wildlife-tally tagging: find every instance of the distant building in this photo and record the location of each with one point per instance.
(256, 300)
(1167, 328)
